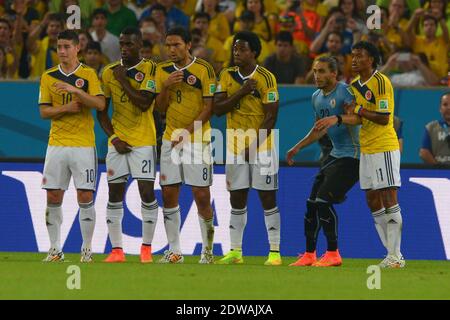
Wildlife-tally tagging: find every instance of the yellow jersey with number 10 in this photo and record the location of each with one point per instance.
(71, 129)
(376, 95)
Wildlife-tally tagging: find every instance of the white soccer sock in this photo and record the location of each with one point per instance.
(207, 230)
(53, 220)
(149, 213)
(380, 225)
(238, 220)
(394, 230)
(114, 216)
(87, 223)
(172, 223)
(272, 220)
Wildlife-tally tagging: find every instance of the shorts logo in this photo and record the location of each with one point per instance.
(271, 96)
(139, 76)
(212, 88)
(383, 105)
(79, 83)
(151, 85)
(368, 95)
(191, 80)
(110, 172)
(333, 103)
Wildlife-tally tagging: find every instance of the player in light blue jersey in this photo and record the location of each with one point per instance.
(338, 173)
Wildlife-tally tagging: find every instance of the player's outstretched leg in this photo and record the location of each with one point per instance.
(329, 222)
(312, 227)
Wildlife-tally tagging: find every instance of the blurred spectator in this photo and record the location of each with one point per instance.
(216, 53)
(336, 23)
(159, 15)
(218, 24)
(436, 140)
(108, 41)
(352, 16)
(261, 27)
(93, 57)
(435, 48)
(227, 7)
(307, 23)
(84, 37)
(119, 17)
(409, 70)
(10, 48)
(438, 9)
(139, 6)
(287, 22)
(43, 50)
(410, 5)
(315, 6)
(174, 16)
(147, 50)
(3, 63)
(285, 64)
(154, 35)
(188, 6)
(333, 48)
(24, 9)
(246, 23)
(86, 6)
(396, 24)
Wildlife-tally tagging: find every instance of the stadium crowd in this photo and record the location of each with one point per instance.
(413, 37)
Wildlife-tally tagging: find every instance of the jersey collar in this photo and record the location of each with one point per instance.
(363, 84)
(132, 66)
(185, 67)
(249, 76)
(69, 74)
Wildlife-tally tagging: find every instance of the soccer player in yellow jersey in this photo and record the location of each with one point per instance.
(67, 94)
(129, 83)
(248, 95)
(379, 170)
(185, 88)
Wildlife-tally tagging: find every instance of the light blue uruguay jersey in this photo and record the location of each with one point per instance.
(345, 138)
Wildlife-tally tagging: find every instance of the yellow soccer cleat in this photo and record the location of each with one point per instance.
(274, 259)
(232, 257)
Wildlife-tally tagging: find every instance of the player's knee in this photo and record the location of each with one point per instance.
(374, 200)
(146, 191)
(238, 199)
(55, 197)
(170, 197)
(202, 197)
(85, 196)
(268, 199)
(389, 197)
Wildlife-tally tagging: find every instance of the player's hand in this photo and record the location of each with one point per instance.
(325, 123)
(73, 107)
(177, 141)
(63, 86)
(290, 156)
(348, 108)
(121, 146)
(249, 86)
(174, 78)
(419, 12)
(120, 73)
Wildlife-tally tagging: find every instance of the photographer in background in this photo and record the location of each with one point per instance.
(436, 140)
(409, 70)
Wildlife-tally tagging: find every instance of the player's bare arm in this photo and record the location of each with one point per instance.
(203, 117)
(50, 112)
(105, 122)
(93, 102)
(162, 100)
(141, 99)
(270, 118)
(348, 118)
(378, 118)
(224, 104)
(312, 136)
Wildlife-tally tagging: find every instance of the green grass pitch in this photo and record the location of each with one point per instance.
(23, 276)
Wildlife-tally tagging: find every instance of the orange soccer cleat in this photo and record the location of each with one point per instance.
(329, 259)
(116, 255)
(305, 260)
(146, 254)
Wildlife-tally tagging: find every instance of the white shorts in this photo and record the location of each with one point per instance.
(262, 175)
(61, 163)
(191, 164)
(380, 170)
(140, 163)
